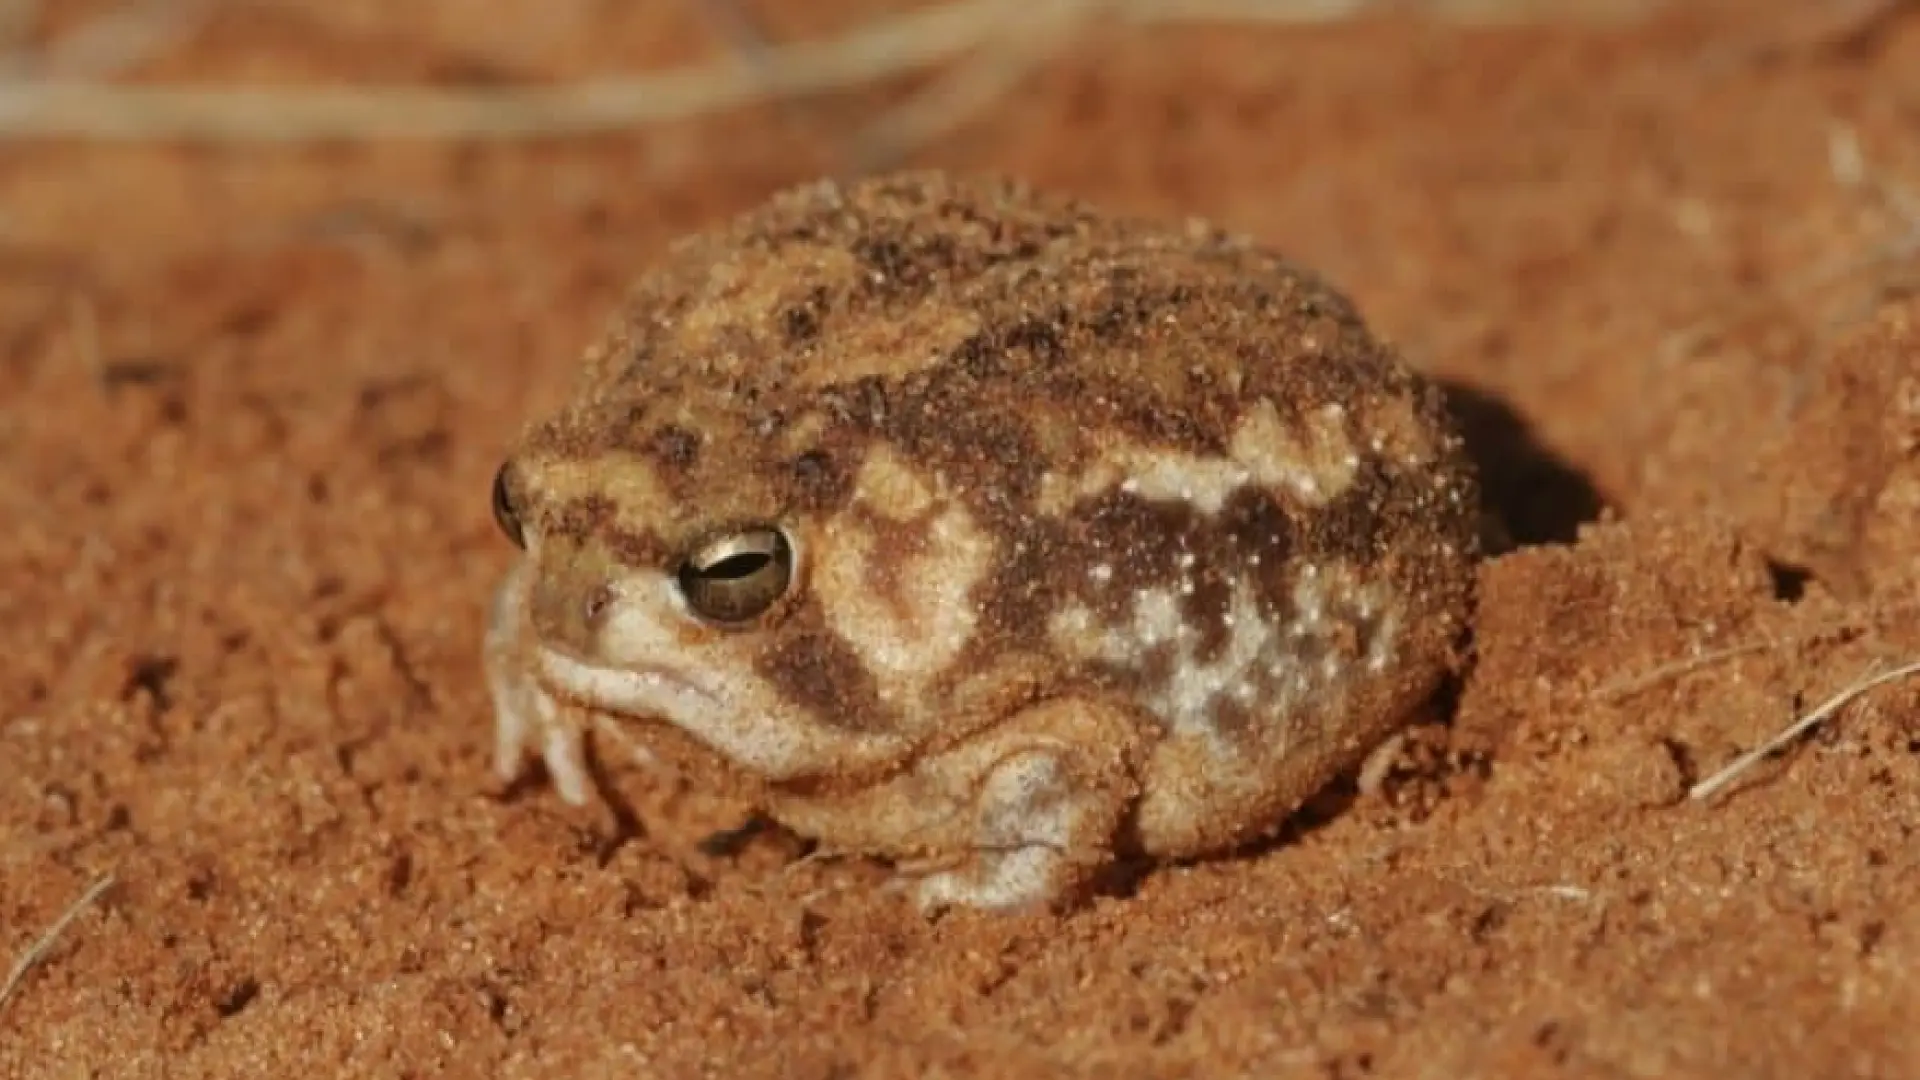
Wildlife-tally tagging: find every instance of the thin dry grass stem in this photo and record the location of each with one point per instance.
(736, 28)
(741, 34)
(42, 945)
(1371, 779)
(1714, 784)
(1624, 688)
(69, 107)
(79, 109)
(1017, 47)
(1854, 621)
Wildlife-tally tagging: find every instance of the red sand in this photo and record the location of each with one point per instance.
(253, 399)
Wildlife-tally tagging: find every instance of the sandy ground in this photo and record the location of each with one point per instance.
(253, 395)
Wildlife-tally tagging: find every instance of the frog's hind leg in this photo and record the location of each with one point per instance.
(1050, 793)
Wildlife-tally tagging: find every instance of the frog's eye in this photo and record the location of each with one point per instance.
(505, 514)
(737, 577)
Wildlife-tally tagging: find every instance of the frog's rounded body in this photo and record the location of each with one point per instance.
(958, 522)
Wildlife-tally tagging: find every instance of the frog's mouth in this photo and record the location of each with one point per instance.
(648, 689)
(732, 716)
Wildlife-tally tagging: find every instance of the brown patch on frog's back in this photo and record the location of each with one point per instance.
(1109, 549)
(823, 260)
(1208, 608)
(1389, 505)
(1129, 334)
(675, 447)
(801, 319)
(1035, 574)
(1270, 540)
(978, 441)
(819, 479)
(1359, 525)
(877, 251)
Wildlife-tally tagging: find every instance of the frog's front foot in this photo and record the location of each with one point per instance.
(1045, 815)
(528, 719)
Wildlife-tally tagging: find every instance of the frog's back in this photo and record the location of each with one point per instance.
(1001, 336)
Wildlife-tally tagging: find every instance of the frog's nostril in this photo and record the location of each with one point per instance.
(594, 607)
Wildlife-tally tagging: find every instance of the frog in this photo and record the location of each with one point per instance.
(979, 528)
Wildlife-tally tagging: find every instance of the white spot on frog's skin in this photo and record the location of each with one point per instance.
(1186, 700)
(1263, 665)
(1318, 463)
(1325, 602)
(1160, 475)
(910, 633)
(1315, 465)
(1399, 433)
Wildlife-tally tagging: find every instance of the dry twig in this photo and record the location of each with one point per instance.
(912, 41)
(81, 109)
(1627, 687)
(1851, 622)
(1712, 785)
(44, 943)
(1019, 45)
